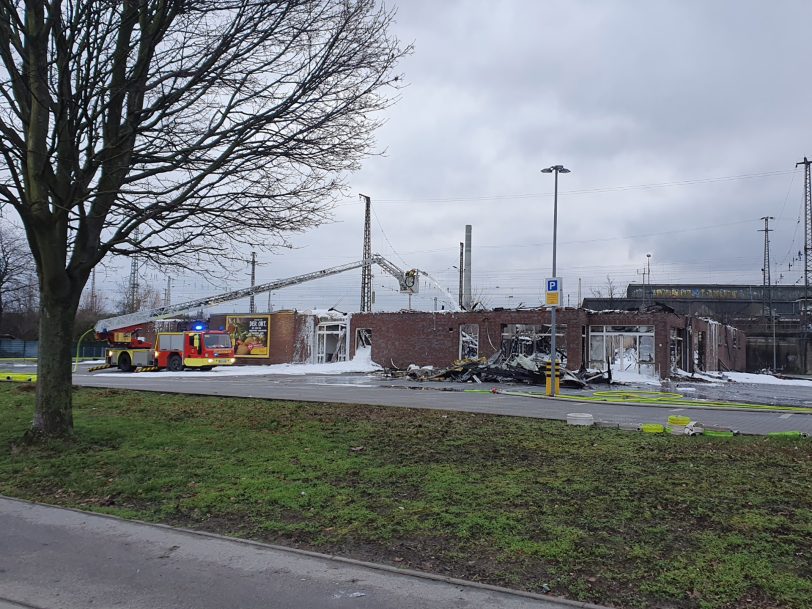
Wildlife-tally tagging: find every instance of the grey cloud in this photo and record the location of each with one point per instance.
(624, 93)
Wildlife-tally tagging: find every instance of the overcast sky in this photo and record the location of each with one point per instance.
(681, 121)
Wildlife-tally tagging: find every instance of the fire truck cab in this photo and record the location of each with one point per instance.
(204, 350)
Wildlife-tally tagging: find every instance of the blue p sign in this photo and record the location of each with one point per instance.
(552, 285)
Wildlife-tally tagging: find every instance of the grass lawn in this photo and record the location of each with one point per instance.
(621, 518)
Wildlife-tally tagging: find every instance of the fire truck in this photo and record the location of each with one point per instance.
(197, 349)
(204, 349)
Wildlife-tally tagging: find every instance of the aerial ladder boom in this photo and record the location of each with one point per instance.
(139, 317)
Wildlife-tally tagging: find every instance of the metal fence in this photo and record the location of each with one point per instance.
(12, 347)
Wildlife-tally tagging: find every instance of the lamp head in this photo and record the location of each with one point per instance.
(555, 168)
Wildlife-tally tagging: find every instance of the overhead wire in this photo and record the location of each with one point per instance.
(591, 273)
(582, 191)
(385, 236)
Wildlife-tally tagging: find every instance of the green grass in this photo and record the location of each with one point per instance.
(631, 520)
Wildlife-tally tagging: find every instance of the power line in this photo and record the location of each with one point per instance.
(600, 239)
(583, 191)
(383, 232)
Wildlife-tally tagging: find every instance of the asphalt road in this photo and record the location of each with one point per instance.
(53, 558)
(372, 389)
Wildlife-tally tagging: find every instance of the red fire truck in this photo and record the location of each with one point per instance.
(204, 349)
(199, 349)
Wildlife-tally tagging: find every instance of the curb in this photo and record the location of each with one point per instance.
(331, 557)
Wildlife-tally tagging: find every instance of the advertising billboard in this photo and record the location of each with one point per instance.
(250, 334)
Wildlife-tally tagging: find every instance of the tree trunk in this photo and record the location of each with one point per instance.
(53, 415)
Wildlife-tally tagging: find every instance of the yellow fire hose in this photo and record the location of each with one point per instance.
(660, 398)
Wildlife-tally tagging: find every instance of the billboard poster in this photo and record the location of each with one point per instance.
(250, 334)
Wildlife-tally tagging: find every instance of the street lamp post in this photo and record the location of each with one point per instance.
(556, 169)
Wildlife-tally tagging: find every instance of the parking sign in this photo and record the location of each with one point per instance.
(553, 292)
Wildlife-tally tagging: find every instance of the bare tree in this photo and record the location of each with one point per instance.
(610, 290)
(203, 123)
(16, 269)
(146, 298)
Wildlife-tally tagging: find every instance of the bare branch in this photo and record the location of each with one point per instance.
(200, 123)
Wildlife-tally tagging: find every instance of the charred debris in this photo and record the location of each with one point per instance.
(499, 368)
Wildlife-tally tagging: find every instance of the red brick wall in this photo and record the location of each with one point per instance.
(400, 339)
(730, 357)
(283, 332)
(282, 343)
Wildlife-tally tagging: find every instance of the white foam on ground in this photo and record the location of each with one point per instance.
(634, 378)
(741, 377)
(705, 376)
(362, 362)
(765, 379)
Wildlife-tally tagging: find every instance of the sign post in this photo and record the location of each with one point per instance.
(554, 284)
(553, 300)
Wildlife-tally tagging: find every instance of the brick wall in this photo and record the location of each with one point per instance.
(284, 326)
(400, 339)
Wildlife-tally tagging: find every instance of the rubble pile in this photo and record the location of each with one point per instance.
(514, 369)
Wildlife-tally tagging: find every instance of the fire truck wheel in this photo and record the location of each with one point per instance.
(175, 363)
(125, 364)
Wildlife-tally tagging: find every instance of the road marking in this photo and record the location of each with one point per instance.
(785, 416)
(677, 409)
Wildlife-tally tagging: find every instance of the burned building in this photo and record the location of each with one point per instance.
(650, 343)
(777, 318)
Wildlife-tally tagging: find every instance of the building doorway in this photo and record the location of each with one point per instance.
(331, 342)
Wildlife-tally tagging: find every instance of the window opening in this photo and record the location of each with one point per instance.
(624, 348)
(533, 341)
(469, 341)
(363, 338)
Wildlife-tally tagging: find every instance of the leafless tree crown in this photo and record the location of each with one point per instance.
(203, 122)
(16, 270)
(610, 291)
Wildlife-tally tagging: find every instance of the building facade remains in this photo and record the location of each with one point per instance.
(651, 343)
(776, 320)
